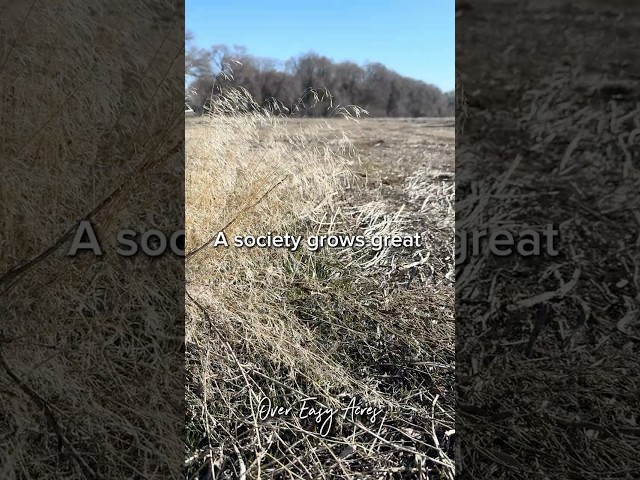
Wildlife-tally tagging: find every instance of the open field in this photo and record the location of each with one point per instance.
(340, 325)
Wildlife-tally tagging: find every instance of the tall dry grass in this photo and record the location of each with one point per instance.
(247, 174)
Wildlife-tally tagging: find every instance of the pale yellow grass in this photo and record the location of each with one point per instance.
(246, 175)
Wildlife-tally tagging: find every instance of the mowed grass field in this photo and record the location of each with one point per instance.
(331, 329)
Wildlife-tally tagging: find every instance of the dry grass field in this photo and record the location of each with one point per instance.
(338, 325)
(547, 348)
(91, 376)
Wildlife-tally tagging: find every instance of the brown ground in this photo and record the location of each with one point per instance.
(393, 149)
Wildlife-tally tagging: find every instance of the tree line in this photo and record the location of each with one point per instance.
(373, 87)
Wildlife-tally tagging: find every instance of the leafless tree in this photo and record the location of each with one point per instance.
(373, 87)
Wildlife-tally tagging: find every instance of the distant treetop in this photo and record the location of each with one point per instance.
(380, 91)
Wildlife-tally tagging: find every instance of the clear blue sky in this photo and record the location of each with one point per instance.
(416, 38)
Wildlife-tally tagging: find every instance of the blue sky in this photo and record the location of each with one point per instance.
(416, 38)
